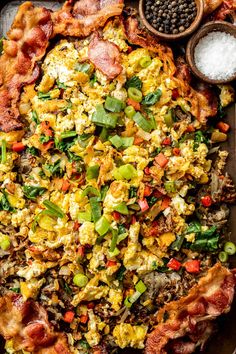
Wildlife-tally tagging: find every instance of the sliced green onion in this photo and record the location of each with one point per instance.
(61, 85)
(223, 256)
(84, 216)
(127, 141)
(32, 192)
(35, 117)
(130, 111)
(92, 172)
(102, 226)
(130, 300)
(116, 141)
(90, 190)
(135, 94)
(103, 119)
(145, 61)
(168, 119)
(134, 82)
(104, 190)
(122, 208)
(44, 96)
(114, 253)
(122, 237)
(170, 186)
(68, 134)
(114, 240)
(104, 134)
(95, 209)
(80, 280)
(5, 243)
(127, 171)
(142, 122)
(230, 248)
(83, 67)
(152, 98)
(140, 287)
(53, 209)
(4, 151)
(112, 104)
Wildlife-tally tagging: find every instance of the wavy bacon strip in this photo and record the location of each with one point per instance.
(26, 323)
(105, 56)
(81, 18)
(189, 320)
(28, 40)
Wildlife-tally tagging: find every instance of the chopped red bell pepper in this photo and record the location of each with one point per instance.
(116, 215)
(147, 171)
(76, 226)
(174, 264)
(18, 147)
(133, 220)
(65, 185)
(46, 129)
(143, 204)
(69, 316)
(138, 140)
(165, 203)
(111, 263)
(190, 128)
(206, 201)
(176, 151)
(81, 251)
(134, 104)
(175, 93)
(84, 319)
(161, 160)
(48, 145)
(192, 266)
(166, 141)
(223, 127)
(147, 191)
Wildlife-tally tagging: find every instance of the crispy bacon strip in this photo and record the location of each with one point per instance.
(81, 18)
(105, 56)
(28, 40)
(189, 320)
(27, 324)
(211, 5)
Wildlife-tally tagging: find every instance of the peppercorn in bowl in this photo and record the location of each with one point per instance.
(171, 20)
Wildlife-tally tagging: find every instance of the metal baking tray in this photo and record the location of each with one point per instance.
(224, 341)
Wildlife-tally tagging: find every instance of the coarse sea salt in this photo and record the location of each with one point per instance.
(215, 55)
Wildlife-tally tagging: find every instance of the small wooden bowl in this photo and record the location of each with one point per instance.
(172, 37)
(204, 30)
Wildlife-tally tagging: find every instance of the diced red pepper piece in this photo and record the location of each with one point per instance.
(143, 204)
(147, 191)
(223, 127)
(48, 145)
(138, 140)
(65, 185)
(192, 266)
(161, 160)
(166, 141)
(18, 147)
(84, 319)
(81, 251)
(175, 93)
(69, 316)
(111, 263)
(190, 129)
(165, 203)
(116, 215)
(133, 220)
(174, 264)
(206, 201)
(134, 104)
(176, 151)
(46, 129)
(147, 171)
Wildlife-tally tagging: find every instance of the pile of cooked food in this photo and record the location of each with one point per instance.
(113, 196)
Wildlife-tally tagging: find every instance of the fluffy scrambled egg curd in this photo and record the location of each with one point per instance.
(103, 189)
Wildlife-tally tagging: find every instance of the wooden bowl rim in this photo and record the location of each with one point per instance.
(193, 41)
(171, 37)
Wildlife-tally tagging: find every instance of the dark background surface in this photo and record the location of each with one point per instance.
(224, 341)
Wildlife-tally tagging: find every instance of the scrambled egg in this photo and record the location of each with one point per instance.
(129, 336)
